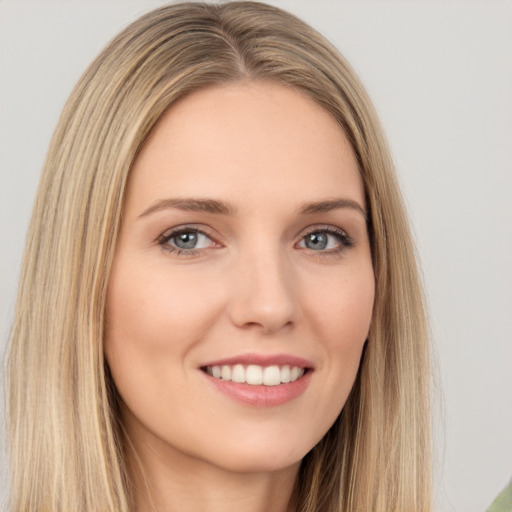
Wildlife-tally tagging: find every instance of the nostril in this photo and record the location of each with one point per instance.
(265, 299)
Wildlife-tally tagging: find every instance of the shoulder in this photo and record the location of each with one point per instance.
(503, 503)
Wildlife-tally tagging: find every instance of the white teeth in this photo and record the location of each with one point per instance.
(256, 375)
(238, 374)
(296, 373)
(285, 374)
(226, 373)
(271, 376)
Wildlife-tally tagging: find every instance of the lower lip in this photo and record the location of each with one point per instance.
(262, 396)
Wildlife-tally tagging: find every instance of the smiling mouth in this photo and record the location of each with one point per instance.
(256, 375)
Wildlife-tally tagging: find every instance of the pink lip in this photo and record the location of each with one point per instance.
(263, 360)
(262, 396)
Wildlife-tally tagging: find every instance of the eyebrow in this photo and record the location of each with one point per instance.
(192, 205)
(332, 204)
(222, 208)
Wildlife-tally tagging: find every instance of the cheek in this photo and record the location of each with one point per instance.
(153, 306)
(354, 314)
(341, 322)
(342, 310)
(154, 319)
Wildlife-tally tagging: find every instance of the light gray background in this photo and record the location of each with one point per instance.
(440, 74)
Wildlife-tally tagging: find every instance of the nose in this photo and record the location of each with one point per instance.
(263, 293)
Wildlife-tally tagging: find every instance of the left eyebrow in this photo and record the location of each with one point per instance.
(332, 204)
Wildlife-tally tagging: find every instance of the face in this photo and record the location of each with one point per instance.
(242, 286)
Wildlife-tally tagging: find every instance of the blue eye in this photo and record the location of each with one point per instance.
(316, 241)
(326, 240)
(185, 241)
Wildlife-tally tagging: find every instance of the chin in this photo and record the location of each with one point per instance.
(256, 463)
(262, 456)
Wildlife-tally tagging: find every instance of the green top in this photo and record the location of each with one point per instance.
(503, 503)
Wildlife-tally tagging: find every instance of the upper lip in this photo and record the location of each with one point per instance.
(262, 360)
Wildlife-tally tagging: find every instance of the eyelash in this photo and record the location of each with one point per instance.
(345, 242)
(163, 240)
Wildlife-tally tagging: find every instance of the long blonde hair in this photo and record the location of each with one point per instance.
(65, 441)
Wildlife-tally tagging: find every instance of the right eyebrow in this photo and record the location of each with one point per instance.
(192, 205)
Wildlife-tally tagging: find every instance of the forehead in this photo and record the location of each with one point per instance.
(246, 140)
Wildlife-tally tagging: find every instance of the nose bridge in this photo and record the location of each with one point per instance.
(263, 288)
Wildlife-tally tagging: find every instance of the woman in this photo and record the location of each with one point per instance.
(219, 306)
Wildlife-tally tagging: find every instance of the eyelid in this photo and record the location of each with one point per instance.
(183, 228)
(170, 233)
(346, 242)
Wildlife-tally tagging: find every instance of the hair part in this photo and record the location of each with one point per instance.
(66, 445)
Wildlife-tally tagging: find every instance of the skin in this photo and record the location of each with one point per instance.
(252, 285)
